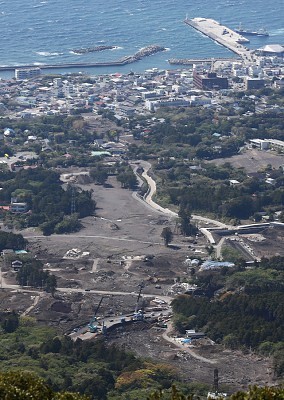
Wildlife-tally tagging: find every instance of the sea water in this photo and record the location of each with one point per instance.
(47, 31)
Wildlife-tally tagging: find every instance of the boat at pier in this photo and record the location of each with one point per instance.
(245, 32)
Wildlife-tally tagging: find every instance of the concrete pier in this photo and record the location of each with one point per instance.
(223, 35)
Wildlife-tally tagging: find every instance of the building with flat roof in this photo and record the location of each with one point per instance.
(209, 81)
(254, 83)
(27, 73)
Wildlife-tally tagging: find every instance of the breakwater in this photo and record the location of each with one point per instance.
(144, 52)
(85, 50)
(64, 65)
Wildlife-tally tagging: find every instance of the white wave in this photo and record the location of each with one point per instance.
(167, 49)
(48, 54)
(279, 31)
(117, 48)
(128, 12)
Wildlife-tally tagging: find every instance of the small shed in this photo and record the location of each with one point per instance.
(192, 334)
(17, 265)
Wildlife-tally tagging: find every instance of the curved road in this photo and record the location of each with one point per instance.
(152, 190)
(183, 347)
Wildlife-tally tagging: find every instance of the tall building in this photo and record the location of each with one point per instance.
(209, 81)
(254, 83)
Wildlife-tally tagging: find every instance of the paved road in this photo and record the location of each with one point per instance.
(148, 198)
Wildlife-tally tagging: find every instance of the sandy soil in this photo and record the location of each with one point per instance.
(253, 160)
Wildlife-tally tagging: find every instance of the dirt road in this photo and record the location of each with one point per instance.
(184, 347)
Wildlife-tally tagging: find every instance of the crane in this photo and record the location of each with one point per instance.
(92, 324)
(138, 314)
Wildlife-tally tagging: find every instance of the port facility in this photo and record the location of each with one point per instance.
(223, 35)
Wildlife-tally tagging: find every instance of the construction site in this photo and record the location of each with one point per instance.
(116, 277)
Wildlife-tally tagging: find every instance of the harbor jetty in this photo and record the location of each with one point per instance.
(144, 52)
(223, 35)
(92, 49)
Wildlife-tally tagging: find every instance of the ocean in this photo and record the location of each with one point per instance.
(46, 31)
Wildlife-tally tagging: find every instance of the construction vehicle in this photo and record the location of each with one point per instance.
(93, 325)
(138, 313)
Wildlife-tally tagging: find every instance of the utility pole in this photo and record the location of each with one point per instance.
(216, 381)
(73, 200)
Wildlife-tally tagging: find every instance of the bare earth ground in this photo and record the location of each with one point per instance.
(252, 160)
(269, 242)
(125, 230)
(236, 370)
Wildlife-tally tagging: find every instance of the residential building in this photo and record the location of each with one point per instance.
(27, 73)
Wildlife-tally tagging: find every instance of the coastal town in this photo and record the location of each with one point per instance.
(193, 83)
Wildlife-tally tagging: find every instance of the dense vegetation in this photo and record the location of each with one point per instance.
(88, 367)
(48, 203)
(21, 385)
(203, 133)
(244, 308)
(183, 139)
(9, 240)
(61, 141)
(32, 274)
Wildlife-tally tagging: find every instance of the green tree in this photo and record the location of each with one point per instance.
(51, 284)
(186, 227)
(9, 322)
(99, 174)
(21, 385)
(167, 235)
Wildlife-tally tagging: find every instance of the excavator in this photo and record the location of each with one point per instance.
(93, 326)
